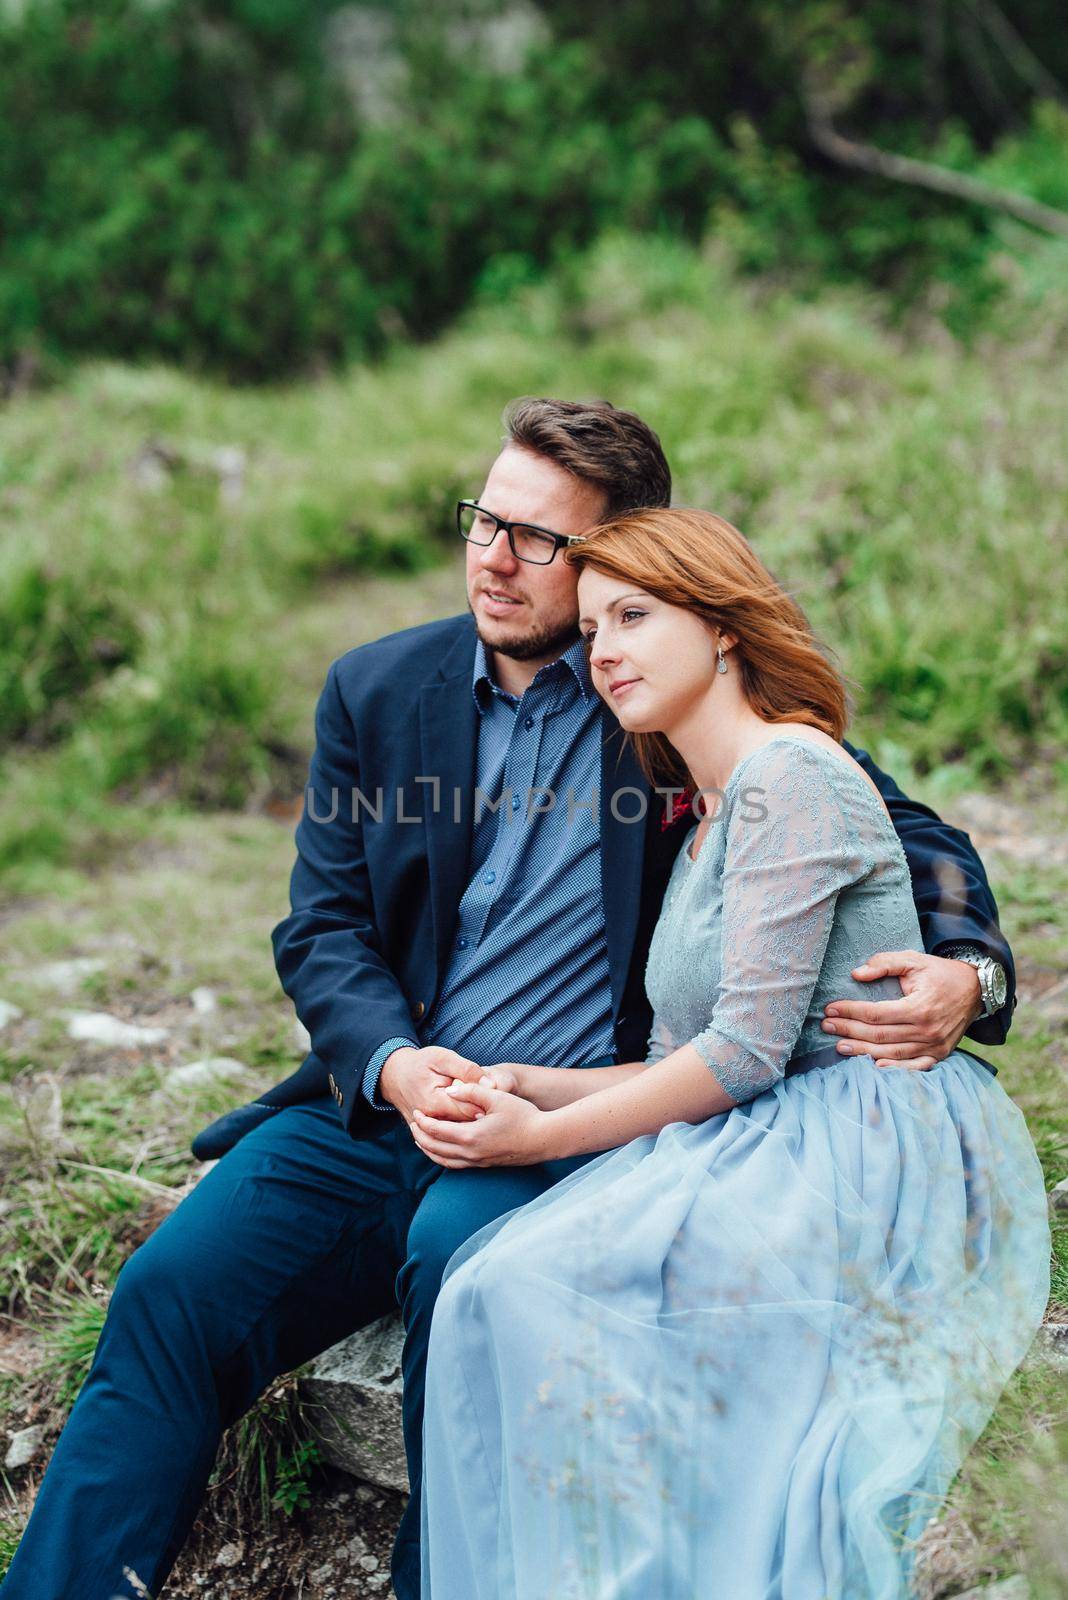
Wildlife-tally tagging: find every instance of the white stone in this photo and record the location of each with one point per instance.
(198, 1074)
(43, 1109)
(353, 1397)
(204, 1001)
(1051, 1345)
(230, 462)
(98, 1027)
(8, 1013)
(230, 1555)
(1058, 1195)
(23, 1446)
(66, 976)
(1016, 1588)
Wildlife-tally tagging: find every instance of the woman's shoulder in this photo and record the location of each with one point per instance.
(793, 752)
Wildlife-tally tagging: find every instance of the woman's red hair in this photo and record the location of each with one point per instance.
(697, 560)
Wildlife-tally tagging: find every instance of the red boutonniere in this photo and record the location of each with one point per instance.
(680, 808)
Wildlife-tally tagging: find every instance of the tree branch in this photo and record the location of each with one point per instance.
(925, 174)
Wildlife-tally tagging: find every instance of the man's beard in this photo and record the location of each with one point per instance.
(550, 641)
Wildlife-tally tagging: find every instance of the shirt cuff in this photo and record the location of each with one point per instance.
(373, 1071)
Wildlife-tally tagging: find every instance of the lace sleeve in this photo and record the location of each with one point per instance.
(661, 1043)
(788, 854)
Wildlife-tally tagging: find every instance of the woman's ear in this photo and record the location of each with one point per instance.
(727, 640)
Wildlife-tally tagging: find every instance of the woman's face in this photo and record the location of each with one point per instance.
(650, 661)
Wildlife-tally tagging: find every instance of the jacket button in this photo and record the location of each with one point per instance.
(418, 1011)
(330, 1083)
(340, 1099)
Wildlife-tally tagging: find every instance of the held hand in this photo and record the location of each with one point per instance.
(418, 1080)
(505, 1075)
(508, 1132)
(940, 999)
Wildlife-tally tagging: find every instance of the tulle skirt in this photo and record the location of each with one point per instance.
(740, 1360)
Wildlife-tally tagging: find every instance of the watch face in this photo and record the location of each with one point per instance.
(999, 986)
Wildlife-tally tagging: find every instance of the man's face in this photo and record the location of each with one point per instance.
(522, 610)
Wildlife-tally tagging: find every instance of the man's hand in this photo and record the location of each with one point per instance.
(940, 999)
(417, 1080)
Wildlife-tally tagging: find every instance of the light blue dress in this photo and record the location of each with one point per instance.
(743, 1359)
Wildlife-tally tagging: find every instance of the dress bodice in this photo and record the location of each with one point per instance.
(801, 877)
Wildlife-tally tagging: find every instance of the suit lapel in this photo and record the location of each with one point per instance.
(622, 851)
(448, 741)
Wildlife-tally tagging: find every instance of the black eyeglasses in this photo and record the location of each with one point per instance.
(527, 543)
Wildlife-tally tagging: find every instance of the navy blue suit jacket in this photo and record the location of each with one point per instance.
(374, 900)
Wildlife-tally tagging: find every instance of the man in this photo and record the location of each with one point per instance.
(479, 868)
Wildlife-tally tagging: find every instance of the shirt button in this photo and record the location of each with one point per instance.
(489, 877)
(528, 722)
(462, 943)
(516, 802)
(417, 1011)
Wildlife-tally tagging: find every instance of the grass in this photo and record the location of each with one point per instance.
(222, 880)
(912, 496)
(159, 532)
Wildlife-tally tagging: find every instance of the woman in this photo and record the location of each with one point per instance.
(743, 1352)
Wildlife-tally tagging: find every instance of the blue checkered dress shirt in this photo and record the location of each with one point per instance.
(528, 976)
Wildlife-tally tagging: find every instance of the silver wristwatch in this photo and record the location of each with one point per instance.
(993, 981)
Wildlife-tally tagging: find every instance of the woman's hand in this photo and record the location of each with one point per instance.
(508, 1076)
(510, 1132)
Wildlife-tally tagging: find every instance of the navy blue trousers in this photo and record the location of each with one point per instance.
(299, 1236)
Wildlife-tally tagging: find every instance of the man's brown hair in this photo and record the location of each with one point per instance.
(596, 441)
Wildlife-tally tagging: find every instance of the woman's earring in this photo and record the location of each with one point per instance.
(721, 664)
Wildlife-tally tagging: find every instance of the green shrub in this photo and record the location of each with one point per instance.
(57, 638)
(193, 183)
(909, 493)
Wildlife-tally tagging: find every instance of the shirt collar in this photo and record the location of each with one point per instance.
(573, 660)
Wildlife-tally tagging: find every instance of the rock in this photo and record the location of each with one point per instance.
(231, 1555)
(230, 462)
(23, 1446)
(1016, 1588)
(97, 1027)
(1051, 1345)
(1058, 1196)
(353, 1394)
(368, 1563)
(43, 1109)
(204, 1001)
(198, 1074)
(66, 976)
(153, 464)
(8, 1013)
